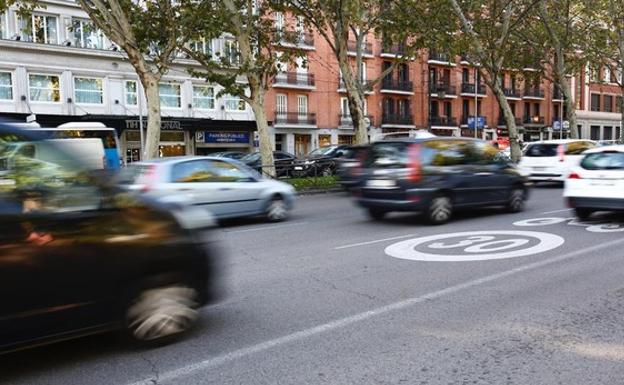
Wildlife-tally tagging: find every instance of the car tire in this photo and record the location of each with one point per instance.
(376, 214)
(327, 171)
(440, 210)
(157, 314)
(583, 213)
(277, 210)
(516, 200)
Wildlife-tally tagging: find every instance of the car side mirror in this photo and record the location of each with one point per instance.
(339, 154)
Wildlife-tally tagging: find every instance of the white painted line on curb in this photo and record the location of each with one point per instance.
(371, 242)
(175, 374)
(265, 228)
(556, 211)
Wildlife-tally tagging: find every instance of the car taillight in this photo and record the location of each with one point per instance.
(574, 175)
(414, 165)
(149, 179)
(561, 152)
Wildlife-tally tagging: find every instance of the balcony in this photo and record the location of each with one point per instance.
(558, 95)
(469, 89)
(439, 58)
(368, 88)
(392, 50)
(533, 93)
(390, 85)
(442, 121)
(397, 119)
(367, 48)
(299, 39)
(294, 119)
(296, 80)
(503, 123)
(512, 93)
(347, 122)
(442, 89)
(534, 121)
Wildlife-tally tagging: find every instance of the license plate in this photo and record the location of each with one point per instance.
(379, 183)
(539, 168)
(298, 168)
(602, 183)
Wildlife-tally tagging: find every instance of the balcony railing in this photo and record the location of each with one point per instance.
(469, 88)
(302, 118)
(438, 56)
(443, 121)
(367, 48)
(558, 94)
(397, 85)
(298, 38)
(512, 93)
(536, 120)
(443, 87)
(347, 121)
(366, 84)
(402, 119)
(394, 49)
(300, 79)
(502, 122)
(533, 93)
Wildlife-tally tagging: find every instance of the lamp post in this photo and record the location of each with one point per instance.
(476, 100)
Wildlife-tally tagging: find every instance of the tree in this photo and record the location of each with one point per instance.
(149, 33)
(486, 33)
(346, 25)
(251, 53)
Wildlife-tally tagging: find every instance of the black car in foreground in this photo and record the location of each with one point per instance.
(320, 162)
(79, 257)
(437, 176)
(283, 162)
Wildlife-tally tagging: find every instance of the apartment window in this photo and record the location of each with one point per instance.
(44, 88)
(606, 74)
(403, 107)
(302, 104)
(234, 103)
(170, 95)
(88, 91)
(4, 26)
(281, 104)
(618, 104)
(203, 97)
(6, 86)
(465, 108)
(87, 35)
(279, 21)
(608, 103)
(230, 52)
(202, 45)
(536, 109)
(593, 74)
(302, 64)
(39, 28)
(595, 102)
(131, 93)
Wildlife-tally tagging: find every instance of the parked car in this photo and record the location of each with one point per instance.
(320, 162)
(283, 162)
(230, 154)
(437, 176)
(552, 160)
(78, 256)
(225, 187)
(349, 170)
(597, 183)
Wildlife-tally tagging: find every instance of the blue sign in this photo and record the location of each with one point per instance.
(557, 125)
(481, 122)
(226, 137)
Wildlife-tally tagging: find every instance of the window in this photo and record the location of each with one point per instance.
(234, 103)
(618, 104)
(607, 133)
(131, 93)
(344, 107)
(86, 35)
(302, 104)
(6, 86)
(202, 45)
(230, 52)
(203, 97)
(593, 74)
(606, 74)
(594, 133)
(608, 103)
(203, 171)
(4, 26)
(595, 102)
(170, 95)
(88, 91)
(39, 28)
(281, 104)
(279, 21)
(44, 88)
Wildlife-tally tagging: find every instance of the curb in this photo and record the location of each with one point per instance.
(333, 190)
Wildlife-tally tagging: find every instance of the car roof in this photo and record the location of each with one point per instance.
(613, 148)
(177, 159)
(419, 140)
(560, 141)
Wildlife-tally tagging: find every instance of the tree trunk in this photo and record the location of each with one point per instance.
(266, 149)
(355, 98)
(570, 109)
(152, 136)
(621, 138)
(510, 119)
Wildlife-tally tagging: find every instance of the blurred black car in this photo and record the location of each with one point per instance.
(237, 155)
(283, 162)
(438, 175)
(349, 170)
(320, 162)
(79, 257)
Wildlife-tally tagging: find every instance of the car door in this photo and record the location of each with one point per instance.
(241, 190)
(491, 174)
(283, 163)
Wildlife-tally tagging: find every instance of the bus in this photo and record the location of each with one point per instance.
(89, 130)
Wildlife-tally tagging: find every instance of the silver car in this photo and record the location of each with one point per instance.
(224, 187)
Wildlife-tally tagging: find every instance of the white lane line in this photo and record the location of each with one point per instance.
(265, 228)
(371, 242)
(175, 374)
(556, 211)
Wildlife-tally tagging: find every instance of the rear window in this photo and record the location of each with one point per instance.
(550, 149)
(603, 161)
(388, 155)
(432, 153)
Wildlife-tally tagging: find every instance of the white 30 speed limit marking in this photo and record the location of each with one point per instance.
(475, 246)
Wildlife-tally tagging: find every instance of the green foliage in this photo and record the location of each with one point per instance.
(314, 183)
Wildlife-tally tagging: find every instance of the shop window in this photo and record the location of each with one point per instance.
(324, 140)
(39, 28)
(279, 140)
(345, 139)
(203, 97)
(170, 95)
(6, 85)
(608, 133)
(44, 88)
(131, 92)
(594, 133)
(88, 91)
(87, 35)
(234, 103)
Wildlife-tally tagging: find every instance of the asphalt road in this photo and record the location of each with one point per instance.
(331, 297)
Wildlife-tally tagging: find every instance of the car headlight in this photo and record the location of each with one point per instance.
(309, 162)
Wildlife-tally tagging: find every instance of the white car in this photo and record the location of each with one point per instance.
(597, 183)
(552, 160)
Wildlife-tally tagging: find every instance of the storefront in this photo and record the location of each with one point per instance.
(207, 142)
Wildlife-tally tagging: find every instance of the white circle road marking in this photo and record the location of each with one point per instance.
(539, 222)
(407, 249)
(606, 228)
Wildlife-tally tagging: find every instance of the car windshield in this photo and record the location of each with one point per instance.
(390, 154)
(322, 151)
(604, 161)
(252, 157)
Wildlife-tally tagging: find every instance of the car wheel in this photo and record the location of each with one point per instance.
(327, 172)
(376, 214)
(583, 213)
(516, 200)
(162, 312)
(277, 210)
(440, 210)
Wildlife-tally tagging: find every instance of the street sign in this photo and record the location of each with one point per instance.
(566, 125)
(556, 125)
(481, 122)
